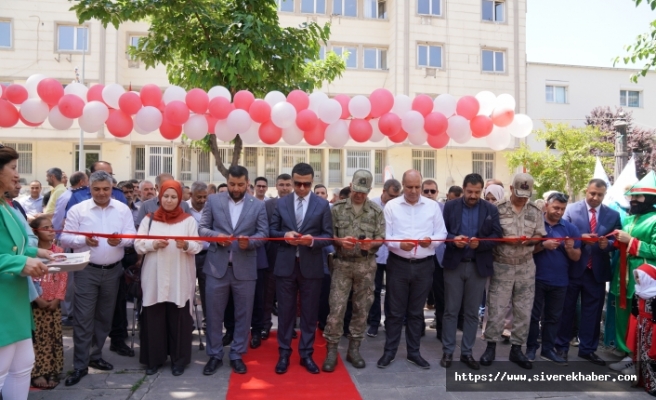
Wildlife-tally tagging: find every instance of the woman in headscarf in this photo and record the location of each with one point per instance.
(642, 332)
(494, 193)
(168, 280)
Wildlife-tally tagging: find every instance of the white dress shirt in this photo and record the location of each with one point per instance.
(235, 210)
(383, 252)
(89, 217)
(197, 215)
(587, 207)
(32, 206)
(407, 221)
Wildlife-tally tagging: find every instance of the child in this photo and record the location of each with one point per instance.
(48, 345)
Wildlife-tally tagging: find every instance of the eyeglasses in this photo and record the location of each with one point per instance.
(306, 185)
(559, 197)
(431, 191)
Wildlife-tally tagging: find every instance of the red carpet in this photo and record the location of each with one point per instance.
(262, 382)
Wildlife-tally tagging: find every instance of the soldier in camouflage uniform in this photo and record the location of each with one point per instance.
(354, 267)
(514, 271)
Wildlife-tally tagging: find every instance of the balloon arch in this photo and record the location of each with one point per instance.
(292, 118)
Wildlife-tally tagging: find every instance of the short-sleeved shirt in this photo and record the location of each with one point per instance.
(528, 222)
(54, 195)
(369, 221)
(552, 266)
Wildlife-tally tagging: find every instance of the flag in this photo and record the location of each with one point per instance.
(600, 173)
(623, 182)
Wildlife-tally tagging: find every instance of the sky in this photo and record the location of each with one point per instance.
(583, 32)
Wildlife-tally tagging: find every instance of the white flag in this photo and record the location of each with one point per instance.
(626, 179)
(600, 173)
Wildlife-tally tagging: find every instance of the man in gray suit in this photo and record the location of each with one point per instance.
(231, 265)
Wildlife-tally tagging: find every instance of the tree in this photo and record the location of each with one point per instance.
(568, 164)
(238, 44)
(639, 140)
(644, 48)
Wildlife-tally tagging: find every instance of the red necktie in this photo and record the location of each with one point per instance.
(593, 228)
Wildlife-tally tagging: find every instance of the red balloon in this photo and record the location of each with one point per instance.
(382, 101)
(50, 90)
(399, 137)
(28, 123)
(95, 93)
(344, 101)
(176, 112)
(243, 99)
(299, 99)
(439, 141)
(197, 100)
(15, 93)
(423, 103)
(211, 123)
(468, 107)
(503, 118)
(129, 103)
(360, 130)
(161, 106)
(481, 126)
(71, 106)
(317, 135)
(220, 107)
(435, 124)
(119, 123)
(8, 114)
(170, 131)
(3, 91)
(269, 133)
(260, 111)
(389, 124)
(151, 95)
(306, 120)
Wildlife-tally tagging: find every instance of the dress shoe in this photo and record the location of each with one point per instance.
(101, 365)
(294, 334)
(470, 362)
(265, 334)
(385, 361)
(256, 341)
(593, 358)
(562, 354)
(372, 331)
(518, 357)
(238, 366)
(120, 348)
(227, 339)
(282, 365)
(309, 364)
(489, 354)
(152, 370)
(446, 360)
(418, 361)
(177, 370)
(75, 377)
(212, 365)
(551, 355)
(530, 354)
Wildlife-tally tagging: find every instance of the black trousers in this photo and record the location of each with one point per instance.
(438, 295)
(269, 297)
(324, 306)
(165, 331)
(547, 305)
(200, 275)
(119, 330)
(257, 319)
(229, 316)
(375, 312)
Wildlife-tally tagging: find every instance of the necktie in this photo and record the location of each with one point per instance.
(299, 213)
(593, 228)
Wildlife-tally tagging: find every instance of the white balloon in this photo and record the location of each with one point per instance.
(377, 135)
(138, 129)
(148, 119)
(292, 135)
(521, 127)
(222, 131)
(486, 100)
(337, 134)
(239, 121)
(77, 89)
(505, 101)
(445, 104)
(58, 121)
(459, 129)
(402, 104)
(316, 99)
(418, 138)
(330, 111)
(412, 122)
(252, 134)
(31, 84)
(274, 97)
(196, 127)
(111, 93)
(34, 110)
(499, 139)
(219, 91)
(283, 114)
(359, 106)
(173, 93)
(94, 115)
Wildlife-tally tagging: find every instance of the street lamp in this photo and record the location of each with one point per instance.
(621, 154)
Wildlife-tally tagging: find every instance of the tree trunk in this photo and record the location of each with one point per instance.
(236, 154)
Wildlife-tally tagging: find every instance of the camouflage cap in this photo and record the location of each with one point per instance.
(362, 180)
(522, 185)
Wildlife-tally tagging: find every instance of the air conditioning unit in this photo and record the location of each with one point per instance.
(431, 72)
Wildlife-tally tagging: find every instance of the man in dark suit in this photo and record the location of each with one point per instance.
(468, 262)
(300, 218)
(588, 277)
(231, 265)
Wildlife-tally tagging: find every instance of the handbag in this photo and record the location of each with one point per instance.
(132, 274)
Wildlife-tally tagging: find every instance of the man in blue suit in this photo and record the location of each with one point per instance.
(588, 277)
(300, 218)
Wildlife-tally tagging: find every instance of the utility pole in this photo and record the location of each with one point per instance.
(621, 154)
(82, 157)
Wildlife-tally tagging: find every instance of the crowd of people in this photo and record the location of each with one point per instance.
(533, 275)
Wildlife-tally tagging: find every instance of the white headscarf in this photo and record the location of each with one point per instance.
(497, 192)
(645, 286)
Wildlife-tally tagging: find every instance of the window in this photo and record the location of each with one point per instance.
(334, 167)
(483, 164)
(313, 6)
(322, 53)
(91, 155)
(226, 157)
(346, 8)
(429, 56)
(271, 164)
(351, 59)
(72, 38)
(494, 11)
(316, 162)
(556, 94)
(357, 159)
(139, 158)
(291, 157)
(429, 7)
(133, 41)
(630, 98)
(493, 61)
(24, 157)
(375, 9)
(285, 5)
(375, 59)
(160, 160)
(424, 162)
(194, 165)
(250, 162)
(379, 167)
(5, 34)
